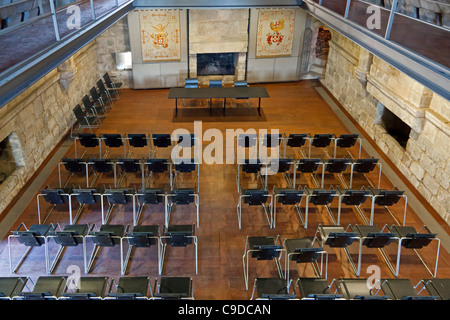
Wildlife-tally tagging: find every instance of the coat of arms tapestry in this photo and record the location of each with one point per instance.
(275, 32)
(160, 35)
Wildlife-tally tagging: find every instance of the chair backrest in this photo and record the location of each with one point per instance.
(269, 138)
(112, 140)
(185, 165)
(183, 196)
(191, 83)
(240, 84)
(101, 85)
(102, 165)
(365, 165)
(322, 140)
(215, 83)
(161, 140)
(255, 197)
(85, 196)
(266, 252)
(378, 239)
(305, 255)
(78, 112)
(289, 196)
(151, 196)
(157, 165)
(247, 140)
(179, 235)
(296, 140)
(137, 140)
(88, 140)
(308, 165)
(107, 78)
(130, 165)
(355, 197)
(346, 140)
(251, 166)
(322, 197)
(340, 239)
(336, 165)
(117, 196)
(73, 165)
(87, 102)
(141, 239)
(94, 93)
(55, 196)
(388, 197)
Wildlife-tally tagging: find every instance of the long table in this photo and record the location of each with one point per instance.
(219, 93)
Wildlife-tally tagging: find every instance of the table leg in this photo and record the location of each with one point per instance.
(259, 107)
(176, 107)
(224, 104)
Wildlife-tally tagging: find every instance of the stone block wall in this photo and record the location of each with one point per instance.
(41, 115)
(114, 40)
(362, 83)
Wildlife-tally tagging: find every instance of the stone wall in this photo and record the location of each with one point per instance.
(41, 115)
(114, 40)
(362, 83)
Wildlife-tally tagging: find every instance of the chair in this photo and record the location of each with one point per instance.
(346, 141)
(439, 288)
(364, 166)
(129, 166)
(301, 250)
(93, 108)
(173, 288)
(334, 166)
(35, 236)
(189, 170)
(318, 197)
(109, 235)
(102, 166)
(271, 289)
(114, 140)
(316, 289)
(241, 84)
(88, 288)
(130, 288)
(357, 289)
(387, 198)
(160, 140)
(10, 287)
(45, 288)
(55, 197)
(278, 166)
(110, 83)
(117, 196)
(88, 140)
(409, 238)
(148, 196)
(142, 236)
(262, 248)
(215, 84)
(286, 196)
(334, 236)
(157, 166)
(100, 96)
(178, 236)
(307, 165)
(295, 141)
(402, 289)
(109, 91)
(350, 197)
(320, 140)
(138, 140)
(370, 237)
(255, 197)
(71, 235)
(190, 83)
(84, 121)
(182, 196)
(73, 166)
(249, 166)
(88, 196)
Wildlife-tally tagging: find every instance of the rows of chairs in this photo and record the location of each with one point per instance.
(96, 288)
(107, 235)
(305, 288)
(307, 250)
(95, 104)
(292, 168)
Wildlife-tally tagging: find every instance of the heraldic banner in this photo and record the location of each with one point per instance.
(275, 32)
(160, 35)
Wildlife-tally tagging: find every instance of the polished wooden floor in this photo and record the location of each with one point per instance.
(291, 108)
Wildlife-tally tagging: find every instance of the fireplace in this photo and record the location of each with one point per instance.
(211, 64)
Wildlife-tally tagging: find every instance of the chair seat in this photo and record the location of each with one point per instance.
(11, 286)
(89, 287)
(175, 287)
(131, 287)
(311, 287)
(272, 288)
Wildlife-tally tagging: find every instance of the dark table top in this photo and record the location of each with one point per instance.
(222, 92)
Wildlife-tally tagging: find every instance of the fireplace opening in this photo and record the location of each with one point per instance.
(210, 64)
(393, 125)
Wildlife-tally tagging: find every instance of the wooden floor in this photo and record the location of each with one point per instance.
(291, 108)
